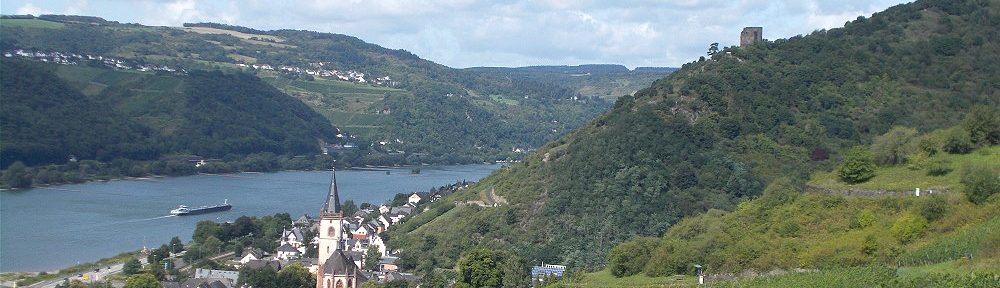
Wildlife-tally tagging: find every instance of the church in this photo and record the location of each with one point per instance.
(336, 269)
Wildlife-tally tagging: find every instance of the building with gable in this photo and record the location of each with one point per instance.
(336, 269)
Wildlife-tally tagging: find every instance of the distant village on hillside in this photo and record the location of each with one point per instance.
(314, 69)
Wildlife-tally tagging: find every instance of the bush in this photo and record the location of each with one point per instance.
(864, 219)
(630, 258)
(983, 125)
(908, 227)
(939, 168)
(933, 207)
(957, 142)
(858, 166)
(894, 146)
(980, 183)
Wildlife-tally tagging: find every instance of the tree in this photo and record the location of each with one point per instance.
(295, 276)
(131, 267)
(983, 124)
(483, 267)
(372, 257)
(980, 183)
(858, 166)
(204, 229)
(211, 245)
(349, 208)
(142, 281)
(957, 142)
(260, 277)
(17, 176)
(515, 272)
(713, 49)
(630, 258)
(894, 146)
(176, 245)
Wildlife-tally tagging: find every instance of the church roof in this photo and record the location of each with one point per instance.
(332, 204)
(340, 264)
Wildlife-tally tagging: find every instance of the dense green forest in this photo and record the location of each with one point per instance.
(45, 120)
(438, 114)
(104, 123)
(719, 130)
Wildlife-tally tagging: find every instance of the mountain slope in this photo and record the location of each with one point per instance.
(716, 131)
(45, 120)
(521, 113)
(594, 80)
(142, 116)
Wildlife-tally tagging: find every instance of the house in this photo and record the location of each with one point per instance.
(256, 264)
(233, 276)
(375, 240)
(388, 263)
(547, 270)
(207, 283)
(404, 210)
(384, 220)
(287, 252)
(416, 197)
(384, 209)
(293, 238)
(251, 254)
(302, 221)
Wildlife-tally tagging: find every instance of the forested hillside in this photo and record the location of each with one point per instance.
(415, 110)
(719, 130)
(142, 116)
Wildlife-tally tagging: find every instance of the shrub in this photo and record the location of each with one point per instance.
(957, 142)
(980, 183)
(939, 168)
(908, 227)
(933, 207)
(894, 146)
(864, 219)
(983, 125)
(858, 166)
(630, 258)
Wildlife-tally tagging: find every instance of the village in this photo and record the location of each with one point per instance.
(314, 69)
(360, 252)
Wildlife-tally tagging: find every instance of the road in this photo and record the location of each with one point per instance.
(99, 275)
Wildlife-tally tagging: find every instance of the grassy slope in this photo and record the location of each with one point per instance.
(31, 23)
(828, 237)
(907, 177)
(352, 107)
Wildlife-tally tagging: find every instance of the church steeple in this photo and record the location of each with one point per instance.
(332, 204)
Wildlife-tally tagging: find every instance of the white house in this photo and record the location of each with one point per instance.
(293, 238)
(251, 255)
(287, 252)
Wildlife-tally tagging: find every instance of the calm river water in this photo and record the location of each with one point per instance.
(55, 227)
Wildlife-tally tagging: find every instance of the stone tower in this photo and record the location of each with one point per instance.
(336, 270)
(751, 35)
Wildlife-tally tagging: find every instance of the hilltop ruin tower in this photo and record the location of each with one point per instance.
(336, 270)
(751, 35)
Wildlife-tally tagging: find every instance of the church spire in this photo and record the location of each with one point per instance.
(332, 204)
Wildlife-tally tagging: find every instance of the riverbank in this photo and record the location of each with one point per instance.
(28, 278)
(57, 226)
(18, 176)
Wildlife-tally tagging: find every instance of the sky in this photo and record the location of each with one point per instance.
(470, 33)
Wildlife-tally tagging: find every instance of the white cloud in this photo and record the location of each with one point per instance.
(463, 33)
(30, 8)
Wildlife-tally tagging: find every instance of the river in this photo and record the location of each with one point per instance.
(49, 228)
